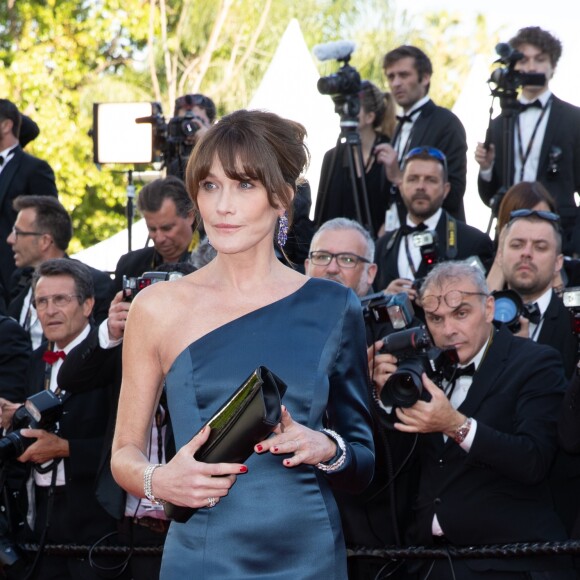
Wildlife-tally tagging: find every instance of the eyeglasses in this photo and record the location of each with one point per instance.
(59, 300)
(344, 260)
(16, 232)
(430, 152)
(453, 299)
(542, 214)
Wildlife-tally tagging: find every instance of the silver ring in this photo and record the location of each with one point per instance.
(211, 501)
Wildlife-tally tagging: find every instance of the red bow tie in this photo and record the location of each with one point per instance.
(51, 356)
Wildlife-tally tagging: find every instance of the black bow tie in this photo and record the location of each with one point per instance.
(409, 117)
(532, 312)
(467, 371)
(407, 229)
(537, 104)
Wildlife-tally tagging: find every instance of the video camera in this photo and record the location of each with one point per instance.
(40, 411)
(506, 79)
(132, 285)
(172, 138)
(343, 86)
(416, 354)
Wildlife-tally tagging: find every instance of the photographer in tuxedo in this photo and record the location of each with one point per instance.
(488, 436)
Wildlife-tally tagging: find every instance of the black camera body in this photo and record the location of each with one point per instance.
(132, 285)
(508, 308)
(179, 129)
(40, 411)
(416, 354)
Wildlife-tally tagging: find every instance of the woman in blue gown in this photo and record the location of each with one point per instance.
(201, 336)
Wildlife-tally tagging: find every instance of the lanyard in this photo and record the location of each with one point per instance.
(524, 157)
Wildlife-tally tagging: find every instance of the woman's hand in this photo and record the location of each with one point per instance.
(184, 481)
(308, 446)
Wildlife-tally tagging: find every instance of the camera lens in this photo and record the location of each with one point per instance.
(404, 387)
(14, 445)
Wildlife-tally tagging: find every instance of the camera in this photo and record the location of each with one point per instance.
(506, 78)
(416, 354)
(40, 411)
(571, 299)
(426, 241)
(171, 138)
(382, 308)
(132, 285)
(509, 307)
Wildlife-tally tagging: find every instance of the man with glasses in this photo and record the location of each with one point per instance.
(546, 137)
(402, 256)
(42, 231)
(488, 436)
(62, 465)
(408, 71)
(20, 174)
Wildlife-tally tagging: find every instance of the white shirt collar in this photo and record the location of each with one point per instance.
(431, 222)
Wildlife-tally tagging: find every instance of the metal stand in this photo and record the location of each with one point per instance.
(130, 207)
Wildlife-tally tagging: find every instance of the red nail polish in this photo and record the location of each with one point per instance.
(287, 462)
(259, 448)
(243, 469)
(275, 450)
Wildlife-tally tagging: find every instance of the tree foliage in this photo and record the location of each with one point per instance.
(58, 57)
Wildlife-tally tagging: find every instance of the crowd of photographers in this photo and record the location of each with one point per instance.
(472, 342)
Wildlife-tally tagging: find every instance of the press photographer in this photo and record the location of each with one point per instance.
(487, 436)
(351, 180)
(176, 138)
(62, 451)
(430, 233)
(537, 135)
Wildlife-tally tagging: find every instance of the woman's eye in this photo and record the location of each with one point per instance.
(207, 185)
(246, 185)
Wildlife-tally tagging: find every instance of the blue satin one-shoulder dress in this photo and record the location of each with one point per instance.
(276, 522)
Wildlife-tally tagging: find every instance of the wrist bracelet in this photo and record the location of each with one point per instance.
(462, 431)
(337, 461)
(147, 479)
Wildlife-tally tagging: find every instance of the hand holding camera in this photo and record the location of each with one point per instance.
(117, 319)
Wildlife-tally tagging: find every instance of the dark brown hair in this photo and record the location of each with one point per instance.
(253, 145)
(541, 39)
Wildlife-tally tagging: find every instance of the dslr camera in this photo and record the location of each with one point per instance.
(132, 285)
(571, 299)
(416, 354)
(40, 411)
(508, 308)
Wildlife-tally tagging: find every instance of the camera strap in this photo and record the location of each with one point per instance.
(524, 156)
(451, 237)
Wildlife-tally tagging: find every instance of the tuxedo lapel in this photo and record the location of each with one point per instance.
(553, 129)
(9, 172)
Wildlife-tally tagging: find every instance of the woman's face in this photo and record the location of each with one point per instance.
(236, 214)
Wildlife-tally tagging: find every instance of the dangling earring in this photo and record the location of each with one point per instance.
(282, 229)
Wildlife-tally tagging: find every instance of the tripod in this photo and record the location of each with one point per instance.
(348, 106)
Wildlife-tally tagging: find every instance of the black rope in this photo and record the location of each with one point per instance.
(518, 550)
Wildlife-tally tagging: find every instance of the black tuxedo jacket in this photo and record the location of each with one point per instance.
(563, 132)
(498, 492)
(14, 359)
(470, 242)
(21, 282)
(83, 423)
(90, 368)
(438, 127)
(23, 175)
(557, 332)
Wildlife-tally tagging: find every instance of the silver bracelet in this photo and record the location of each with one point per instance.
(339, 462)
(147, 479)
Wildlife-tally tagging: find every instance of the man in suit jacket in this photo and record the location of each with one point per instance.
(64, 499)
(42, 231)
(168, 212)
(488, 435)
(408, 70)
(20, 174)
(424, 187)
(546, 138)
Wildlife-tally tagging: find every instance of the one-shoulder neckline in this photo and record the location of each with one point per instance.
(238, 319)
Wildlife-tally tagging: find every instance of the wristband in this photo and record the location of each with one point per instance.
(462, 431)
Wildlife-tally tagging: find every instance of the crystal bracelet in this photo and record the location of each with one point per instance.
(147, 480)
(339, 461)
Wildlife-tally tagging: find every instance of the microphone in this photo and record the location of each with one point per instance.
(507, 54)
(338, 50)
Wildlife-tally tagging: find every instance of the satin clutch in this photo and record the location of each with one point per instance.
(246, 418)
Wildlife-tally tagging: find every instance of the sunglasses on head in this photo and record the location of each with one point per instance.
(542, 214)
(432, 152)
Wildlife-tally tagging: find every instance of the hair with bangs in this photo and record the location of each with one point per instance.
(253, 145)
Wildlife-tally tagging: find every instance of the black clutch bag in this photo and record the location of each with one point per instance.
(245, 419)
